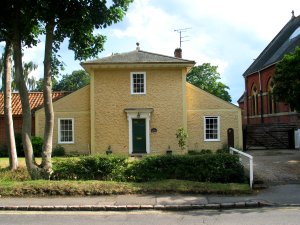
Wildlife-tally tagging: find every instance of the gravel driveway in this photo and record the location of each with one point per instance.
(275, 166)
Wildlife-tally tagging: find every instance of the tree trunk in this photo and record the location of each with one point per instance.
(9, 126)
(26, 112)
(49, 114)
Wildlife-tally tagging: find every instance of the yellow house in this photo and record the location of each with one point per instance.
(135, 103)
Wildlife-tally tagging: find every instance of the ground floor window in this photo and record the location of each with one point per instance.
(212, 128)
(65, 130)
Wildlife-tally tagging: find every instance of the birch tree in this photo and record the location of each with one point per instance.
(9, 127)
(5, 35)
(73, 19)
(19, 26)
(23, 13)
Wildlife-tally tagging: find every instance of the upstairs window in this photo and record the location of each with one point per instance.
(212, 128)
(65, 131)
(138, 83)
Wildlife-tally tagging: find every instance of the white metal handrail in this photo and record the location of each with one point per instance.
(231, 150)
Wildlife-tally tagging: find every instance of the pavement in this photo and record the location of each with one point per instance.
(273, 167)
(278, 169)
(278, 195)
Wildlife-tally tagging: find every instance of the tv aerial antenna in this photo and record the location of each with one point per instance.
(182, 38)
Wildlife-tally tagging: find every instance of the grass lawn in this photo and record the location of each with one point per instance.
(18, 183)
(4, 163)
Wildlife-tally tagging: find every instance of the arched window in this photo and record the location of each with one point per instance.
(254, 99)
(271, 99)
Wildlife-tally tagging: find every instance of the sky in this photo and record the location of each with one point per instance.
(229, 34)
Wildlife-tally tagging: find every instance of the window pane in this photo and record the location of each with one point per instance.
(66, 130)
(138, 83)
(211, 128)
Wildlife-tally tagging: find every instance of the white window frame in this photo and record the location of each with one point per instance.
(59, 132)
(132, 84)
(204, 128)
(137, 114)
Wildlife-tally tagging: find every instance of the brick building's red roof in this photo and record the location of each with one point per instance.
(35, 100)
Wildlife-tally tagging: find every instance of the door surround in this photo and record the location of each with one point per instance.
(139, 113)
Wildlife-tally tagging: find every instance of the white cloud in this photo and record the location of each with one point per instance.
(149, 25)
(228, 34)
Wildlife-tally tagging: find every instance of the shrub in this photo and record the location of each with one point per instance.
(181, 136)
(58, 151)
(96, 167)
(37, 146)
(203, 151)
(19, 145)
(221, 168)
(20, 174)
(73, 154)
(65, 169)
(3, 151)
(222, 150)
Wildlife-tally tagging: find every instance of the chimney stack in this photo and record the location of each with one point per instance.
(178, 53)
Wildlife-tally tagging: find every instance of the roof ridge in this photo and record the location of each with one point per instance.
(171, 57)
(137, 56)
(107, 57)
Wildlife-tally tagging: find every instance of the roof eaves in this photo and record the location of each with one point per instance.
(264, 68)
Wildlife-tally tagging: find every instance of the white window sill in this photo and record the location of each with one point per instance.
(62, 143)
(138, 93)
(212, 140)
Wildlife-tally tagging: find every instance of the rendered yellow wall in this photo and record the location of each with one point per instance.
(112, 94)
(77, 106)
(200, 104)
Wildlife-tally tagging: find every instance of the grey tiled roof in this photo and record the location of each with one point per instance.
(278, 47)
(139, 56)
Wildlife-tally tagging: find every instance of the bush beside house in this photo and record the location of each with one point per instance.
(221, 168)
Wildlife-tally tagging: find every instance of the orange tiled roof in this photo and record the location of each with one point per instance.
(35, 100)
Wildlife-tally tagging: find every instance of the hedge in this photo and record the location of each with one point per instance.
(97, 167)
(221, 168)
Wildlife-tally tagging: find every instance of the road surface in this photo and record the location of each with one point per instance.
(262, 216)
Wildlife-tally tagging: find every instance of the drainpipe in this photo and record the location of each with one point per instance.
(261, 99)
(246, 102)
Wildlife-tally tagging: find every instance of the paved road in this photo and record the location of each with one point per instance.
(273, 216)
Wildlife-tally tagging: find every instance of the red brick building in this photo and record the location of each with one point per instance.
(35, 100)
(261, 113)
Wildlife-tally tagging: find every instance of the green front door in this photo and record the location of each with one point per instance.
(139, 135)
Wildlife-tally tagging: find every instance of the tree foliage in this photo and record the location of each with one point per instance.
(30, 81)
(68, 82)
(21, 21)
(72, 82)
(287, 80)
(206, 77)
